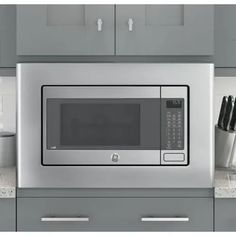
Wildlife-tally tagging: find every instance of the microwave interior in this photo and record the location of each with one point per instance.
(115, 125)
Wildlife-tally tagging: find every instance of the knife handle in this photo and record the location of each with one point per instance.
(222, 111)
(228, 113)
(233, 119)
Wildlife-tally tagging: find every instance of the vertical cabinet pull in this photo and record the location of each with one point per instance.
(65, 219)
(99, 24)
(130, 24)
(165, 219)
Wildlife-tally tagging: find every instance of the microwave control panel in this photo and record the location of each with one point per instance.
(173, 112)
(174, 125)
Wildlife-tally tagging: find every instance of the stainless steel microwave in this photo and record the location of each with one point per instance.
(115, 125)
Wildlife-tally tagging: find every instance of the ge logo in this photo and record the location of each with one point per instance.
(115, 157)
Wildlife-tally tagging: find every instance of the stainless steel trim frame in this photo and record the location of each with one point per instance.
(32, 174)
(165, 219)
(65, 219)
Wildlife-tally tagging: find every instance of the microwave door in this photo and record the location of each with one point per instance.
(101, 125)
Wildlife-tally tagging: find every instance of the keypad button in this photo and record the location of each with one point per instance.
(174, 129)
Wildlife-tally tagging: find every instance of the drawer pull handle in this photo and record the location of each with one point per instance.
(130, 24)
(165, 219)
(65, 219)
(99, 24)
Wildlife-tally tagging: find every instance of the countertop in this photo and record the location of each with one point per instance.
(8, 182)
(225, 183)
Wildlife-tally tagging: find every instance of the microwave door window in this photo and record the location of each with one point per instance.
(103, 124)
(98, 125)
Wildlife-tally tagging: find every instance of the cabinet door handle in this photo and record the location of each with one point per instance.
(130, 24)
(99, 24)
(65, 219)
(165, 219)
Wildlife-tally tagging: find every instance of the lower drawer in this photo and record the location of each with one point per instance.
(115, 214)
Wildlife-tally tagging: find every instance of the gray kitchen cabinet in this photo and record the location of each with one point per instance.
(177, 30)
(225, 214)
(7, 214)
(114, 214)
(65, 30)
(225, 36)
(7, 36)
(164, 30)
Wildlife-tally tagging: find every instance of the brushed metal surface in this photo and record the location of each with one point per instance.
(7, 149)
(224, 147)
(31, 174)
(101, 157)
(87, 92)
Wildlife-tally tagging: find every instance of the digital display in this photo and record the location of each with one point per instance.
(174, 103)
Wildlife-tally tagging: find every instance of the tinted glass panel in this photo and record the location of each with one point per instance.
(103, 124)
(100, 124)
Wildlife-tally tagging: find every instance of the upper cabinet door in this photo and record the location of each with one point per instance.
(65, 30)
(164, 30)
(7, 36)
(225, 36)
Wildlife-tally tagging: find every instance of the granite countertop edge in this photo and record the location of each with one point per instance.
(225, 183)
(8, 182)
